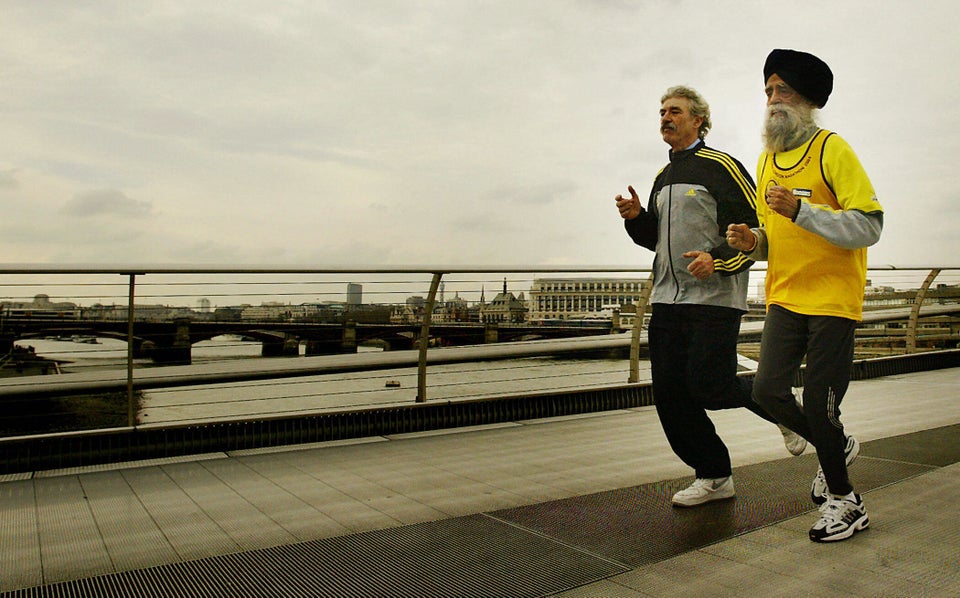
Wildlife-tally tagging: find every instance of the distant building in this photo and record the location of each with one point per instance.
(416, 303)
(141, 313)
(266, 312)
(579, 298)
(354, 293)
(41, 306)
(453, 310)
(404, 314)
(228, 314)
(505, 307)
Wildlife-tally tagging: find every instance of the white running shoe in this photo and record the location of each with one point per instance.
(704, 490)
(819, 492)
(797, 396)
(818, 489)
(840, 518)
(794, 442)
(851, 450)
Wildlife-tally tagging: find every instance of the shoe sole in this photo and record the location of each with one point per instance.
(702, 502)
(858, 525)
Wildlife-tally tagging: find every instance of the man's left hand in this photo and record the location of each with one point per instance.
(702, 264)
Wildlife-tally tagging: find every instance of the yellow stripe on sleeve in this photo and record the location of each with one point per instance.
(748, 190)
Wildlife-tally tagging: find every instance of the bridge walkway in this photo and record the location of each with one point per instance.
(572, 507)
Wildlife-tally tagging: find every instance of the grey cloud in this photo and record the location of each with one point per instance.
(107, 202)
(541, 194)
(8, 179)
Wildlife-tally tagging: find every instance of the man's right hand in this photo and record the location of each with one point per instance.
(629, 206)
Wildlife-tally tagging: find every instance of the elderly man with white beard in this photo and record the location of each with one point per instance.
(817, 214)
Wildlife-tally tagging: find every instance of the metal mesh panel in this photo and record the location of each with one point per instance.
(467, 556)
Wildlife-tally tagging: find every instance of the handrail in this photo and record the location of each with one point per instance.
(287, 269)
(143, 269)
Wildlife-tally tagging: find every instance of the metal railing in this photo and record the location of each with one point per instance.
(136, 291)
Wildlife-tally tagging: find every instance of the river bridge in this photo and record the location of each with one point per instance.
(170, 342)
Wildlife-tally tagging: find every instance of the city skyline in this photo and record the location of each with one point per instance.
(353, 292)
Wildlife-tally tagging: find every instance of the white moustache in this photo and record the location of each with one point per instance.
(776, 110)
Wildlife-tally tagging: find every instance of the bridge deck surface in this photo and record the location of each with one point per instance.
(571, 507)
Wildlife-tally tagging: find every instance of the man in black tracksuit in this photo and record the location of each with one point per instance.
(699, 292)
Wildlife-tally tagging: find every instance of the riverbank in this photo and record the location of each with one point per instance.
(24, 361)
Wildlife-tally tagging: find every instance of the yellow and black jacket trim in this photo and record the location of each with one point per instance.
(693, 200)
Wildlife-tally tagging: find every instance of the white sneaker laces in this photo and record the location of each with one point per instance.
(830, 509)
(833, 510)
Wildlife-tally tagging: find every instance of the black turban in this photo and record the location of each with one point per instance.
(807, 74)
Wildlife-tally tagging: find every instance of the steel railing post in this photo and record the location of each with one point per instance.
(425, 337)
(131, 403)
(637, 326)
(911, 345)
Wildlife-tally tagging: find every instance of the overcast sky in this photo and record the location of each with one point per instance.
(444, 132)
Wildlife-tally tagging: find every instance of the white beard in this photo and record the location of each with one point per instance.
(787, 126)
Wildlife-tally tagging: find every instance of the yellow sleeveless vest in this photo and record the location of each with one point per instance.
(806, 273)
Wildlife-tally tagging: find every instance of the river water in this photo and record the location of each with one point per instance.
(330, 392)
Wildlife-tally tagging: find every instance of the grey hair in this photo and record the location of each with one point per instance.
(698, 106)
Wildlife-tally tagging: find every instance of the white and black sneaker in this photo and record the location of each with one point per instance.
(794, 442)
(840, 518)
(704, 490)
(818, 489)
